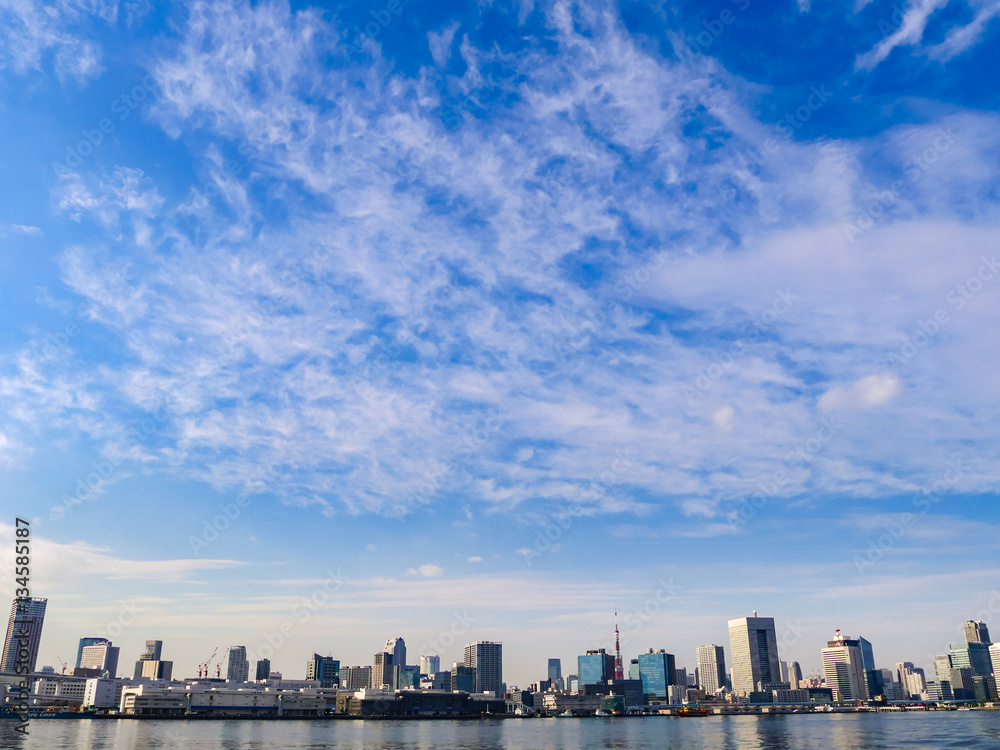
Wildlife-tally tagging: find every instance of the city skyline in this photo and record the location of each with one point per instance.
(489, 320)
(758, 663)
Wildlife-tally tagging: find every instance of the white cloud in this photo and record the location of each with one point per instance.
(427, 571)
(866, 393)
(909, 32)
(474, 559)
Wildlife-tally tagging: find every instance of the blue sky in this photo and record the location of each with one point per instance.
(465, 322)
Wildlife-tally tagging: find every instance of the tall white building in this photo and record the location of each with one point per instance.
(754, 649)
(239, 665)
(995, 659)
(844, 669)
(911, 679)
(712, 668)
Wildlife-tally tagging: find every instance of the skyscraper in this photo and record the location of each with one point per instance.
(24, 632)
(912, 680)
(680, 677)
(152, 653)
(396, 647)
(102, 656)
(754, 648)
(995, 659)
(844, 669)
(486, 657)
(712, 668)
(596, 667)
(657, 671)
(794, 675)
(873, 676)
(383, 673)
(633, 670)
(977, 632)
(974, 655)
(239, 668)
(84, 642)
(555, 673)
(430, 665)
(463, 678)
(324, 669)
(263, 669)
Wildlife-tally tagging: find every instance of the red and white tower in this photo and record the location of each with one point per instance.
(619, 672)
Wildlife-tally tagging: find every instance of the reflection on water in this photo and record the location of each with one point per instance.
(913, 731)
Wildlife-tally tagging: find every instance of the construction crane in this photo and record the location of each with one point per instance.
(64, 664)
(203, 668)
(218, 667)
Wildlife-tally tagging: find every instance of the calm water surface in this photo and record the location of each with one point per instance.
(930, 731)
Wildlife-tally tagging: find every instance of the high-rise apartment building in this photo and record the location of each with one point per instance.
(263, 669)
(977, 632)
(844, 669)
(238, 669)
(995, 659)
(24, 633)
(430, 665)
(712, 668)
(101, 656)
(486, 657)
(754, 649)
